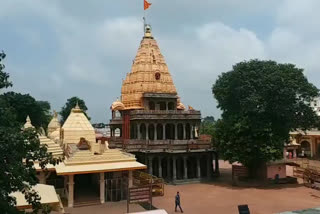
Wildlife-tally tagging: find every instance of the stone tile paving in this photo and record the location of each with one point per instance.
(220, 197)
(307, 211)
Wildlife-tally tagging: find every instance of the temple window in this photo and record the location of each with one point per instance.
(117, 114)
(162, 106)
(152, 106)
(170, 106)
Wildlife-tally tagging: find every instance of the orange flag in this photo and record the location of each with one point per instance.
(146, 4)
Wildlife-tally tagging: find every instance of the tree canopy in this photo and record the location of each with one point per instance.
(18, 151)
(208, 126)
(70, 104)
(261, 101)
(24, 105)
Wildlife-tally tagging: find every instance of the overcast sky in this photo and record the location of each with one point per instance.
(57, 49)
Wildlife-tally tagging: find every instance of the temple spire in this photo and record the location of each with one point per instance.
(28, 123)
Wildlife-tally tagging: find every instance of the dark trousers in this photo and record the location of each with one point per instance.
(178, 204)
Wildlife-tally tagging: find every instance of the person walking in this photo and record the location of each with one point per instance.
(177, 202)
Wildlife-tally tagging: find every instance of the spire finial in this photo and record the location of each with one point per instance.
(28, 123)
(147, 31)
(55, 114)
(77, 105)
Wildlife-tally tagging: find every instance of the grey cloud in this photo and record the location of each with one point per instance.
(96, 41)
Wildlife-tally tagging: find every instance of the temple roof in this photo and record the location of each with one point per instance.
(149, 74)
(76, 126)
(84, 161)
(47, 194)
(52, 147)
(117, 105)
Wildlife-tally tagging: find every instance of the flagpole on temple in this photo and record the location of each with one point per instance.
(146, 5)
(144, 17)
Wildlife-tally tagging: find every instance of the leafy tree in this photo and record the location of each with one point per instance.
(4, 77)
(24, 104)
(70, 104)
(262, 101)
(209, 119)
(208, 126)
(18, 151)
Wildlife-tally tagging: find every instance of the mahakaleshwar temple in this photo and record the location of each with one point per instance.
(158, 142)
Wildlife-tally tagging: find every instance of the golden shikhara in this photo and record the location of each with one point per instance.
(149, 74)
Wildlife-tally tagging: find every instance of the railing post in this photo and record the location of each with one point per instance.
(175, 131)
(147, 131)
(139, 137)
(164, 131)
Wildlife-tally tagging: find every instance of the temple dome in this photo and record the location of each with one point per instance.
(149, 74)
(117, 105)
(54, 124)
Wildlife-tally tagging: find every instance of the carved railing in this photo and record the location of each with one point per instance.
(134, 112)
(165, 145)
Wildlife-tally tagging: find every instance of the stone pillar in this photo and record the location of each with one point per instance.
(285, 153)
(164, 131)
(176, 131)
(102, 188)
(138, 125)
(184, 131)
(70, 191)
(192, 133)
(209, 166)
(168, 168)
(174, 169)
(42, 178)
(160, 167)
(185, 165)
(147, 131)
(216, 169)
(167, 106)
(130, 181)
(150, 165)
(155, 131)
(198, 168)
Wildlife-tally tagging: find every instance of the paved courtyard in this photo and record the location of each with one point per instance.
(221, 197)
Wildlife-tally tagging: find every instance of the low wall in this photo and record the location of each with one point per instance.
(272, 170)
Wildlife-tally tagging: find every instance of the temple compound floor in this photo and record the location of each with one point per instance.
(220, 197)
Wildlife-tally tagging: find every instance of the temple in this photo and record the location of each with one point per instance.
(90, 172)
(155, 125)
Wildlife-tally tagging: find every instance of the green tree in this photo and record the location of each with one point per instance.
(208, 126)
(18, 151)
(261, 101)
(24, 105)
(70, 104)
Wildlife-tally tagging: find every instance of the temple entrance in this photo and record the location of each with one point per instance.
(306, 148)
(86, 188)
(116, 186)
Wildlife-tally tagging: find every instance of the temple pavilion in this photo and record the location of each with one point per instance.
(155, 125)
(90, 172)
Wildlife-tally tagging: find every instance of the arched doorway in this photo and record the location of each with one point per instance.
(152, 106)
(170, 131)
(306, 148)
(180, 131)
(170, 106)
(143, 131)
(188, 131)
(151, 132)
(160, 132)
